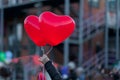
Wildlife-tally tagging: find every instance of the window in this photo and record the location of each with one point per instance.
(112, 5)
(94, 3)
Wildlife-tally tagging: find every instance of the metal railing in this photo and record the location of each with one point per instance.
(94, 62)
(91, 26)
(93, 23)
(11, 3)
(99, 59)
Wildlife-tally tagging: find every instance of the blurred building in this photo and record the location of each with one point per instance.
(94, 41)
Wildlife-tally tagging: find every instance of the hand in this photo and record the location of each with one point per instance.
(44, 59)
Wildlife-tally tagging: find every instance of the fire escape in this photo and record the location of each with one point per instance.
(91, 26)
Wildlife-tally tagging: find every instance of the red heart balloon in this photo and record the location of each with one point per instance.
(49, 29)
(34, 31)
(56, 27)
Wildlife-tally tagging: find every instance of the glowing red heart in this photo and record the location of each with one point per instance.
(56, 27)
(34, 31)
(50, 29)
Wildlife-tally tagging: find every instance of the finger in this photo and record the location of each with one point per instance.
(39, 59)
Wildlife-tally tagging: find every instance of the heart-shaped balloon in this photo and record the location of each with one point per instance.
(49, 28)
(33, 29)
(56, 27)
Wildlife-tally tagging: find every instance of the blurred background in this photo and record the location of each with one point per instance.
(92, 51)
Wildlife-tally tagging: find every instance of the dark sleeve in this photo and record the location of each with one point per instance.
(54, 74)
